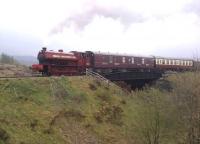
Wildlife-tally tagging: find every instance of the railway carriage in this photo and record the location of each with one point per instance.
(173, 64)
(75, 63)
(116, 62)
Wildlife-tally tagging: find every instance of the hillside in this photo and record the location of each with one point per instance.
(13, 70)
(82, 110)
(26, 60)
(10, 67)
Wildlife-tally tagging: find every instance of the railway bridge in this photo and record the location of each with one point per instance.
(135, 79)
(132, 75)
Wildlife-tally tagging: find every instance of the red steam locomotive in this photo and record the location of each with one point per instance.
(60, 63)
(76, 63)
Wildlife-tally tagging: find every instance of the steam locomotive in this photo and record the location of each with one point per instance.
(76, 63)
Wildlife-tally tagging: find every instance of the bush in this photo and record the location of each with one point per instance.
(92, 87)
(186, 98)
(109, 113)
(79, 98)
(71, 113)
(154, 117)
(103, 96)
(97, 82)
(77, 115)
(4, 136)
(6, 59)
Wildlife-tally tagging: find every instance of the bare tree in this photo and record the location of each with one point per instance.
(187, 100)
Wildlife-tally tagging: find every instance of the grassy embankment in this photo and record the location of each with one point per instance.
(83, 110)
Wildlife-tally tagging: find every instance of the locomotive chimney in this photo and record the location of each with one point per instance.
(60, 50)
(44, 49)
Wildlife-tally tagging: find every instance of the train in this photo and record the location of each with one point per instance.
(75, 63)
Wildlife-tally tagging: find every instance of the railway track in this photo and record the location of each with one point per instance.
(16, 77)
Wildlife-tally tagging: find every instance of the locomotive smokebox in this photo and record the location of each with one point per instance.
(60, 50)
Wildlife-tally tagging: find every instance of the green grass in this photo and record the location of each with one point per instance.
(42, 110)
(68, 110)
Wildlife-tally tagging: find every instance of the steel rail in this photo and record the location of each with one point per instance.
(16, 77)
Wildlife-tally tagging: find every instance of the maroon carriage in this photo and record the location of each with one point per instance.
(114, 62)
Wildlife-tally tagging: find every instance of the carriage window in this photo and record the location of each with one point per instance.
(191, 63)
(129, 60)
(169, 62)
(188, 63)
(166, 62)
(173, 62)
(185, 63)
(157, 61)
(123, 59)
(132, 60)
(181, 63)
(160, 61)
(142, 61)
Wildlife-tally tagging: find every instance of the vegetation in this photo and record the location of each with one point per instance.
(81, 110)
(9, 67)
(6, 59)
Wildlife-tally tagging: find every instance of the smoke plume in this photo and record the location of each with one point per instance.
(194, 7)
(82, 19)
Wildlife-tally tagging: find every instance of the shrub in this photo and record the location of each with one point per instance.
(92, 87)
(79, 98)
(4, 136)
(97, 82)
(103, 96)
(33, 124)
(71, 113)
(109, 113)
(6, 59)
(77, 115)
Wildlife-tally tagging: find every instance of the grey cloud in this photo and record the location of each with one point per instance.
(180, 51)
(83, 19)
(193, 7)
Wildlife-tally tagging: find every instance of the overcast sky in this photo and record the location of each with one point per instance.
(145, 27)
